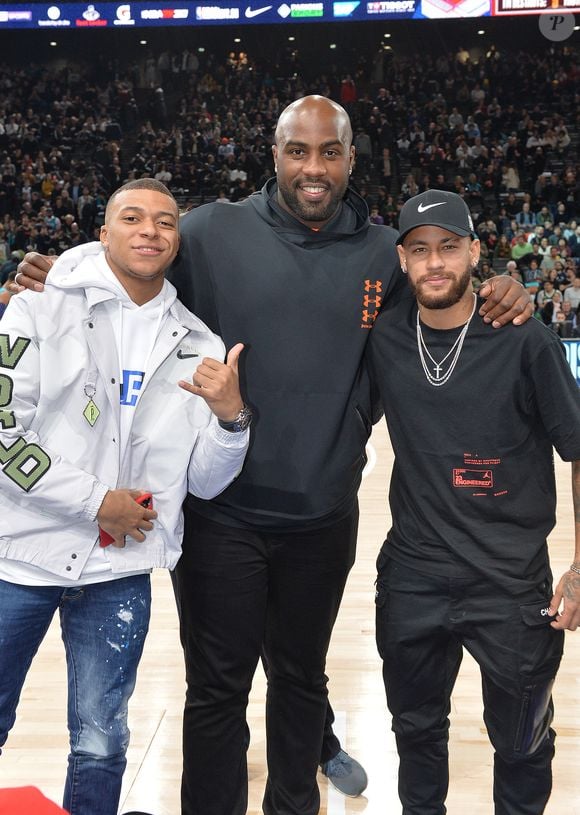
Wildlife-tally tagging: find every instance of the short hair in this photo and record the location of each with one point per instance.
(140, 184)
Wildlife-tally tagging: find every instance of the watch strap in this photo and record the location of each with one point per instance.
(241, 422)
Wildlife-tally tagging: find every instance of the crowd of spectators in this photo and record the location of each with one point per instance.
(500, 128)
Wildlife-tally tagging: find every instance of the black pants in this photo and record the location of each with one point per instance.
(330, 744)
(423, 622)
(238, 591)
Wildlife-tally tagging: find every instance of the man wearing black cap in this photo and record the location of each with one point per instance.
(466, 562)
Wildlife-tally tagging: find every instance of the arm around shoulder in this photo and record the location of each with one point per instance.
(506, 300)
(567, 592)
(32, 271)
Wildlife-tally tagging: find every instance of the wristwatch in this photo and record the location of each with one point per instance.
(240, 423)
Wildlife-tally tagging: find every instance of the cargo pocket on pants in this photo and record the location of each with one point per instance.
(540, 645)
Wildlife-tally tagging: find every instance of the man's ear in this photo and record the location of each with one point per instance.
(402, 259)
(474, 252)
(103, 235)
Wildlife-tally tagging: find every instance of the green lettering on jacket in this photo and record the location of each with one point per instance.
(10, 355)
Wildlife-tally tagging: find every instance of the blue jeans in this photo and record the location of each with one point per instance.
(103, 628)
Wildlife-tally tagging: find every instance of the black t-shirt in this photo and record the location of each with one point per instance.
(473, 481)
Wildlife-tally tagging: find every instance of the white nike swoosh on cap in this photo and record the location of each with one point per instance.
(253, 12)
(422, 208)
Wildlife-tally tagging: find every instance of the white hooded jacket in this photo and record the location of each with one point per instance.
(56, 352)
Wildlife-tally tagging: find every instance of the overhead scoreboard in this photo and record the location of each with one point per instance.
(22, 15)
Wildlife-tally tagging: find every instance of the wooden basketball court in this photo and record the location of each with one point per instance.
(37, 747)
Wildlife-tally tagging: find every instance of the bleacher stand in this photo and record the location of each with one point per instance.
(502, 131)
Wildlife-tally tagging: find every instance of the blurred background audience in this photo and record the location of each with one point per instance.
(499, 126)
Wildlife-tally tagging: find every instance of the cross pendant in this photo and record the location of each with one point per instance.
(438, 370)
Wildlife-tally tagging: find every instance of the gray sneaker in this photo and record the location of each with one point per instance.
(345, 774)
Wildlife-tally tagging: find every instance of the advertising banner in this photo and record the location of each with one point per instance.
(573, 357)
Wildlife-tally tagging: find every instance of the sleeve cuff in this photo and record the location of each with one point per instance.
(94, 503)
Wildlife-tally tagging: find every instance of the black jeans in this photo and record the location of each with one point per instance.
(238, 591)
(423, 622)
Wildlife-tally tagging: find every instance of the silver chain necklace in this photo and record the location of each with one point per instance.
(437, 380)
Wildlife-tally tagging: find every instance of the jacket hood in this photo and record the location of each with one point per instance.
(85, 267)
(352, 218)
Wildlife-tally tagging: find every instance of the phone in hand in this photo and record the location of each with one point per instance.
(146, 500)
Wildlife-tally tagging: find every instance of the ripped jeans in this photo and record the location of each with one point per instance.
(103, 628)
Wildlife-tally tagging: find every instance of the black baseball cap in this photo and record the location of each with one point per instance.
(436, 208)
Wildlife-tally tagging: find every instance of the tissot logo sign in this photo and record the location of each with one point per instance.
(391, 8)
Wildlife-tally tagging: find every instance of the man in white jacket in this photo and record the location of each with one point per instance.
(91, 417)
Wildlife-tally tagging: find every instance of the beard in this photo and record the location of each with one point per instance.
(316, 211)
(446, 299)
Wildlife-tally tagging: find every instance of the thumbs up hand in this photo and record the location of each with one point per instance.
(218, 384)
